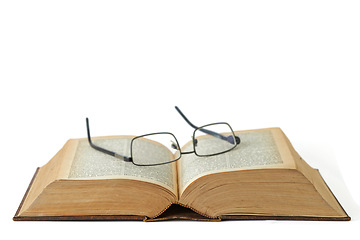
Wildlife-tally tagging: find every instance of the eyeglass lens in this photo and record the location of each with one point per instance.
(154, 149)
(221, 141)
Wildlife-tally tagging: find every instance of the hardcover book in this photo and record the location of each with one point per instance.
(262, 178)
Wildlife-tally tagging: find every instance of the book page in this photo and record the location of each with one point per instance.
(89, 163)
(258, 149)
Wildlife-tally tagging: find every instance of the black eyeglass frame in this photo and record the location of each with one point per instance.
(194, 140)
(236, 138)
(153, 164)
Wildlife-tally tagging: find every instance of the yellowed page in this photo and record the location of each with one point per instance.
(89, 163)
(259, 149)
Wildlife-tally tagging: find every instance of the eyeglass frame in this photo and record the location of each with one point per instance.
(194, 141)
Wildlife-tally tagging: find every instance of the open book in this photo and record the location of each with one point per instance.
(262, 178)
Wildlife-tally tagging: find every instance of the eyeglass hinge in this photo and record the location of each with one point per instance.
(127, 159)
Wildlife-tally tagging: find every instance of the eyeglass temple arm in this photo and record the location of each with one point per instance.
(215, 134)
(114, 154)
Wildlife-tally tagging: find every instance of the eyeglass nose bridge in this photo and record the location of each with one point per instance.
(195, 141)
(188, 152)
(175, 146)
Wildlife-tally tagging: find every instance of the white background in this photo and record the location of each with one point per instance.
(126, 64)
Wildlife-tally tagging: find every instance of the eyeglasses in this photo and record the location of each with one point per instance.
(148, 150)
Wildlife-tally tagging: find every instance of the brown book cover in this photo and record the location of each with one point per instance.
(174, 212)
(285, 187)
